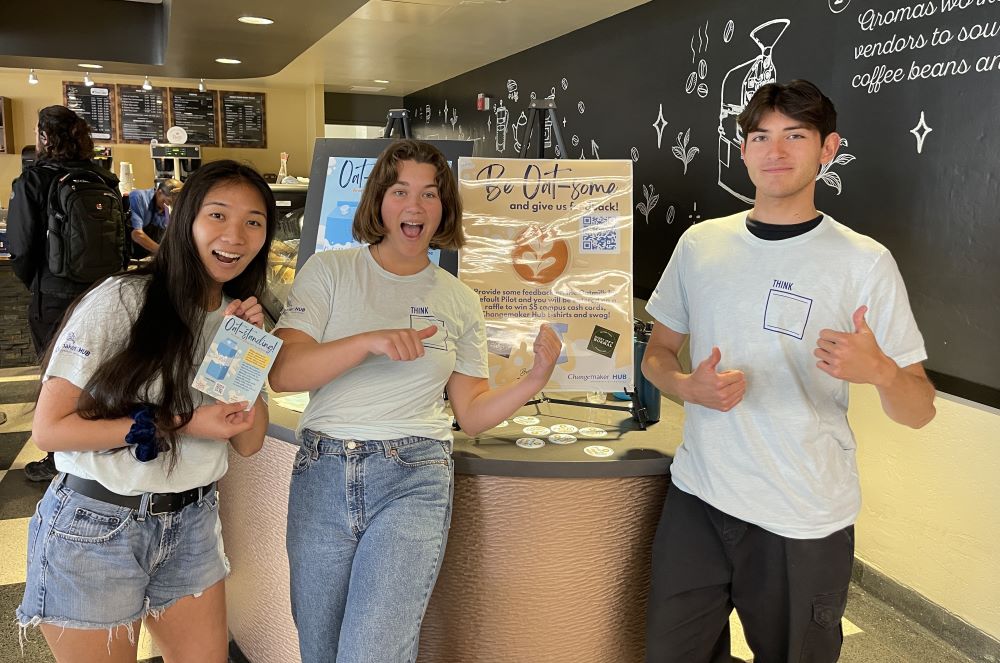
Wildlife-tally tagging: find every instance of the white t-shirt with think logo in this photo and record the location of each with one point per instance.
(783, 458)
(99, 326)
(345, 292)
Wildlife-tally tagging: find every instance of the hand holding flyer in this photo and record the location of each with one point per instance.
(237, 362)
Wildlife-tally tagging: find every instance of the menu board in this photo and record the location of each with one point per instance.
(243, 120)
(95, 105)
(141, 114)
(195, 112)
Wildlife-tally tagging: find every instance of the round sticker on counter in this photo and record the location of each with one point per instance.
(530, 443)
(562, 438)
(598, 451)
(564, 428)
(502, 424)
(527, 421)
(593, 431)
(536, 430)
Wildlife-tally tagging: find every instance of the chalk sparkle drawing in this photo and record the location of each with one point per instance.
(829, 177)
(659, 125)
(651, 199)
(920, 132)
(681, 150)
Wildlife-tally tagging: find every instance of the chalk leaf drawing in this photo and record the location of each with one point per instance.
(651, 199)
(828, 176)
(681, 150)
(659, 125)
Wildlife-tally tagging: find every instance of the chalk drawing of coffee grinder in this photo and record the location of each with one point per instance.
(738, 86)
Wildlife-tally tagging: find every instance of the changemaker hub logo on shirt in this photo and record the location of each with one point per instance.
(293, 309)
(69, 345)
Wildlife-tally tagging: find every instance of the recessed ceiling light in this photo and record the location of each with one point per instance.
(379, 80)
(228, 61)
(255, 20)
(87, 65)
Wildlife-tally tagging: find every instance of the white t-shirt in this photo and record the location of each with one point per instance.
(341, 293)
(98, 327)
(784, 457)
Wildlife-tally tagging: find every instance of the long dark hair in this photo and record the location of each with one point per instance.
(162, 342)
(67, 135)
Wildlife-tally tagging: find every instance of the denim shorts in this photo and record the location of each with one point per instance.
(95, 565)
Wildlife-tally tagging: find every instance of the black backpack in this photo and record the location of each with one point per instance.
(86, 232)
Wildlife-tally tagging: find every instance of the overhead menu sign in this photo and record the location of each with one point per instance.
(243, 121)
(551, 241)
(95, 105)
(141, 114)
(197, 113)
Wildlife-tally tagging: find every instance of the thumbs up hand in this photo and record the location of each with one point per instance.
(711, 389)
(854, 356)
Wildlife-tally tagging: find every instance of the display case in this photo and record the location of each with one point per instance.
(281, 261)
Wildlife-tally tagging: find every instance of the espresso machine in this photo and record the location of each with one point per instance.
(174, 161)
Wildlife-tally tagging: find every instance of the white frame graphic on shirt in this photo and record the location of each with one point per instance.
(786, 307)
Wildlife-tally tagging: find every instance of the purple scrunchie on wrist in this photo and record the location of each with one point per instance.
(142, 434)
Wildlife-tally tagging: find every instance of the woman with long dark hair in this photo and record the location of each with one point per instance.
(377, 334)
(62, 141)
(129, 530)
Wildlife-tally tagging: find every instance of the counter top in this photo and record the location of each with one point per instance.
(635, 452)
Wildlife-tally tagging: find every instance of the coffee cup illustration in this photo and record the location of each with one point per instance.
(538, 257)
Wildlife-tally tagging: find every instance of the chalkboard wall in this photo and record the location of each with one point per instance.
(917, 89)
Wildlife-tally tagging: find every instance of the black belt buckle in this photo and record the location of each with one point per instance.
(162, 503)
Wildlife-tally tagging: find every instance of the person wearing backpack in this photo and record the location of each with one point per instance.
(57, 271)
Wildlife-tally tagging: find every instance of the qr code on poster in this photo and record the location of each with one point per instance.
(599, 235)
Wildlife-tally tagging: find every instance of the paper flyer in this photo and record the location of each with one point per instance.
(551, 240)
(237, 362)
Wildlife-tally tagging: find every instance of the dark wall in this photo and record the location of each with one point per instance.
(369, 109)
(935, 208)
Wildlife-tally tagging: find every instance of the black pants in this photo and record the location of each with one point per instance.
(44, 316)
(790, 594)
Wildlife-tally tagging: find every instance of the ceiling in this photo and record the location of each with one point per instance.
(343, 45)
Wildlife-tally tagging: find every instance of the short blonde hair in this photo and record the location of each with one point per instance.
(368, 226)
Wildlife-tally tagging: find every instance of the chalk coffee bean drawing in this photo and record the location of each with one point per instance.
(692, 81)
(539, 258)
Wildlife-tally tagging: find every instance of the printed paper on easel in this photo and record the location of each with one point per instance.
(237, 362)
(551, 240)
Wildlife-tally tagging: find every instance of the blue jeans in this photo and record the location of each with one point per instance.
(94, 565)
(367, 525)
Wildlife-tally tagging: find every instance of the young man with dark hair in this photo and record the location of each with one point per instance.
(784, 307)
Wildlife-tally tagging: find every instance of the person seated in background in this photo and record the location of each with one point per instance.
(150, 215)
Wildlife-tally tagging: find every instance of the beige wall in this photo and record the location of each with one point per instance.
(931, 503)
(294, 120)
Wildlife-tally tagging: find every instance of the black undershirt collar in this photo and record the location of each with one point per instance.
(773, 231)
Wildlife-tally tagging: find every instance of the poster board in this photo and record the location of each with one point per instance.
(96, 105)
(551, 240)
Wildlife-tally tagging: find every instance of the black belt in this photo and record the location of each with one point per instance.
(158, 502)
